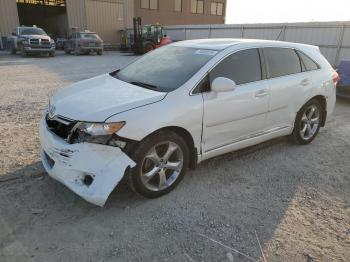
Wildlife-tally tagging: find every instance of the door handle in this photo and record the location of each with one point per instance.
(305, 82)
(261, 93)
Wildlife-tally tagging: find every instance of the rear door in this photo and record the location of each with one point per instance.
(70, 41)
(288, 86)
(233, 116)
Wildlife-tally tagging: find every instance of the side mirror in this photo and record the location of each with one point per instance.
(223, 84)
(13, 33)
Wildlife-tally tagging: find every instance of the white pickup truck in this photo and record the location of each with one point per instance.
(31, 40)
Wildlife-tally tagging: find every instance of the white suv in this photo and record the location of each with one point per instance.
(179, 105)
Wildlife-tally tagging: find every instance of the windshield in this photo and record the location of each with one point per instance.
(167, 68)
(32, 31)
(89, 36)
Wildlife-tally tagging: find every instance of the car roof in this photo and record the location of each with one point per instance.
(83, 32)
(223, 43)
(26, 27)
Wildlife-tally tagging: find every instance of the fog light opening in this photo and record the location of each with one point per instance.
(88, 179)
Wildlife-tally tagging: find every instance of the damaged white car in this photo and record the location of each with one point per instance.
(179, 105)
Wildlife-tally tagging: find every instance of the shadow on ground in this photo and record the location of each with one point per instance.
(227, 199)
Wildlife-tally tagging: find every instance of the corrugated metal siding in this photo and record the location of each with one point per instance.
(333, 38)
(269, 34)
(8, 17)
(76, 13)
(221, 31)
(105, 18)
(165, 14)
(129, 8)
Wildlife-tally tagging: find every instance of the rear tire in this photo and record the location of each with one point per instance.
(99, 52)
(23, 53)
(77, 51)
(161, 163)
(307, 123)
(67, 51)
(13, 51)
(52, 54)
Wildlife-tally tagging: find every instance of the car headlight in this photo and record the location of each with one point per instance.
(25, 42)
(101, 129)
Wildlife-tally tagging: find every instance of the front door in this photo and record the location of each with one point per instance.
(234, 116)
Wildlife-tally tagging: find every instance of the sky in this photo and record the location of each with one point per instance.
(279, 11)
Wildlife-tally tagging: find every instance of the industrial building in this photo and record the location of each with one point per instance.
(106, 17)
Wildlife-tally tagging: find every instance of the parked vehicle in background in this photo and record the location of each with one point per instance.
(179, 105)
(144, 38)
(60, 42)
(31, 40)
(84, 43)
(343, 88)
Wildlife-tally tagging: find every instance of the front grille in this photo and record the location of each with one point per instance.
(60, 126)
(39, 42)
(34, 41)
(45, 42)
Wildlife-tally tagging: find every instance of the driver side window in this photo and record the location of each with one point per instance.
(242, 67)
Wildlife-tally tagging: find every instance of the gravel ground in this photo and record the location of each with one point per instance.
(294, 199)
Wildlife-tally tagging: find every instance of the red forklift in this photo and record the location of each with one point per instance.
(145, 38)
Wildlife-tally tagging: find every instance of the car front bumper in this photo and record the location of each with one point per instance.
(72, 164)
(29, 49)
(91, 48)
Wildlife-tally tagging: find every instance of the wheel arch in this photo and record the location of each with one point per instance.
(322, 100)
(186, 135)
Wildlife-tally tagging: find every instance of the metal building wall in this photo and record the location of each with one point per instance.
(8, 17)
(333, 38)
(76, 13)
(105, 18)
(165, 14)
(129, 13)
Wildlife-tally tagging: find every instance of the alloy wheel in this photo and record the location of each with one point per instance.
(161, 166)
(309, 122)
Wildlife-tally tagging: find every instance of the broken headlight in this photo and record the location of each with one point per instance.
(100, 129)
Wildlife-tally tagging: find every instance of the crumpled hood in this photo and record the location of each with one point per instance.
(98, 98)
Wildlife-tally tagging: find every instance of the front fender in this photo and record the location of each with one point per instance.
(178, 109)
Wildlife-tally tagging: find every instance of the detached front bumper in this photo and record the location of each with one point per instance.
(90, 170)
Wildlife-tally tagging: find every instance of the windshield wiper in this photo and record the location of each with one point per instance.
(145, 85)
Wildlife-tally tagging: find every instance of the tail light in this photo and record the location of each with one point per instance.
(81, 42)
(335, 78)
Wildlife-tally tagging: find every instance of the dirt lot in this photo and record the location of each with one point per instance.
(294, 199)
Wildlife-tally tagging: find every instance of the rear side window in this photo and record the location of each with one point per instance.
(307, 63)
(89, 36)
(242, 67)
(281, 61)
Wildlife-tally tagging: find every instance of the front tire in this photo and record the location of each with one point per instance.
(13, 50)
(161, 163)
(148, 47)
(308, 122)
(24, 53)
(77, 51)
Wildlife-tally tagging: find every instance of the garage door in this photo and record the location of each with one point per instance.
(105, 18)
